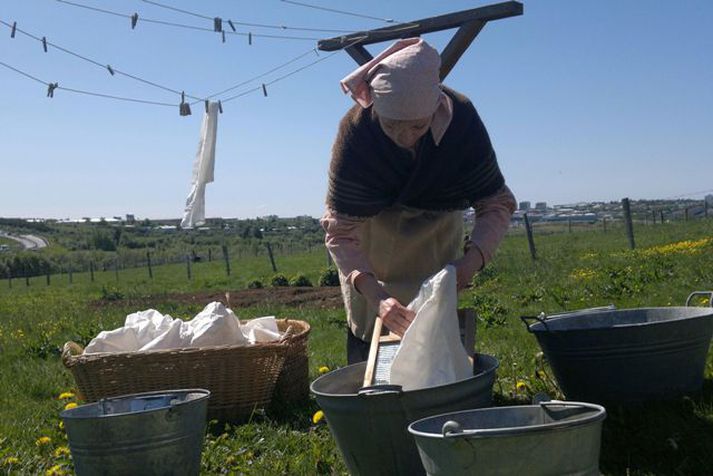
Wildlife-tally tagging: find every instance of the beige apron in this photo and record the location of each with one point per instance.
(404, 247)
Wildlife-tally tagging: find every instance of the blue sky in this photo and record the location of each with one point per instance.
(584, 100)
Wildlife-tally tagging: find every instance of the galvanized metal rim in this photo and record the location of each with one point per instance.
(69, 414)
(541, 327)
(600, 414)
(496, 364)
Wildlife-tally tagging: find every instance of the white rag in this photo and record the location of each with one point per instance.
(203, 168)
(214, 325)
(431, 352)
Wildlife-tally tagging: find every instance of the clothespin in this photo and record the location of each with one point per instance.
(44, 44)
(184, 109)
(230, 22)
(111, 71)
(220, 107)
(250, 38)
(206, 106)
(14, 27)
(134, 20)
(50, 89)
(264, 90)
(217, 24)
(223, 34)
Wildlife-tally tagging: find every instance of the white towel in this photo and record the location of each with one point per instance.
(203, 168)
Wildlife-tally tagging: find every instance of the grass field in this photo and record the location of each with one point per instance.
(574, 270)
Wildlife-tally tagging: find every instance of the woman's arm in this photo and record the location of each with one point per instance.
(342, 241)
(492, 219)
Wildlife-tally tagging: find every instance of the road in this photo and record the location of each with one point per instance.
(29, 242)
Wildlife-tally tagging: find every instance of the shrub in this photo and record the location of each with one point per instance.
(300, 280)
(255, 284)
(329, 277)
(279, 280)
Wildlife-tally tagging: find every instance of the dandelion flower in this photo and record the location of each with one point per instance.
(43, 440)
(520, 386)
(323, 369)
(55, 470)
(65, 396)
(317, 417)
(61, 451)
(61, 425)
(10, 461)
(70, 405)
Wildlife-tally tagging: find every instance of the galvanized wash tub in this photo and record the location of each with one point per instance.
(370, 426)
(153, 433)
(627, 355)
(552, 438)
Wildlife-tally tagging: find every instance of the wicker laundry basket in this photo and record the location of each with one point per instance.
(293, 382)
(240, 378)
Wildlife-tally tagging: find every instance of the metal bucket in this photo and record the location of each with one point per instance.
(561, 438)
(627, 355)
(370, 426)
(153, 433)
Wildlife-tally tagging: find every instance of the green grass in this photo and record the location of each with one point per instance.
(574, 270)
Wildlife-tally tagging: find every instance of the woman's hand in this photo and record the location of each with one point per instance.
(396, 316)
(467, 266)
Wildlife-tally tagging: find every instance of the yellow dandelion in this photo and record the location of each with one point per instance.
(539, 374)
(55, 470)
(317, 417)
(61, 451)
(11, 461)
(70, 405)
(65, 396)
(520, 386)
(61, 425)
(230, 460)
(323, 369)
(43, 440)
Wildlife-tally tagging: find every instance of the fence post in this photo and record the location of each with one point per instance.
(188, 267)
(27, 280)
(661, 217)
(91, 270)
(226, 257)
(272, 259)
(629, 225)
(530, 241)
(210, 254)
(48, 278)
(148, 260)
(685, 214)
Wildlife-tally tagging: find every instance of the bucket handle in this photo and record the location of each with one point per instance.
(541, 318)
(700, 293)
(380, 390)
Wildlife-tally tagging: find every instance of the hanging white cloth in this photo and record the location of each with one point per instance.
(202, 169)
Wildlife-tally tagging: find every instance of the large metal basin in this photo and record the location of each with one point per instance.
(153, 433)
(370, 427)
(552, 438)
(629, 354)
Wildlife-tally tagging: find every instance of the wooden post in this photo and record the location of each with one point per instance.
(210, 254)
(91, 270)
(272, 258)
(629, 225)
(661, 216)
(27, 280)
(653, 216)
(188, 266)
(148, 260)
(227, 260)
(685, 214)
(530, 240)
(48, 278)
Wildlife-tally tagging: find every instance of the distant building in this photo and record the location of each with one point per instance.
(541, 206)
(709, 200)
(130, 219)
(524, 206)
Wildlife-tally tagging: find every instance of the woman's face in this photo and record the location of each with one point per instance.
(405, 133)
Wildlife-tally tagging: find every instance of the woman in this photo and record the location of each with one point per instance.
(409, 157)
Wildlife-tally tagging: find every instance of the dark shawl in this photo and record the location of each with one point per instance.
(369, 173)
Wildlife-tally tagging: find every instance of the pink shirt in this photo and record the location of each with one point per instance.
(342, 233)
